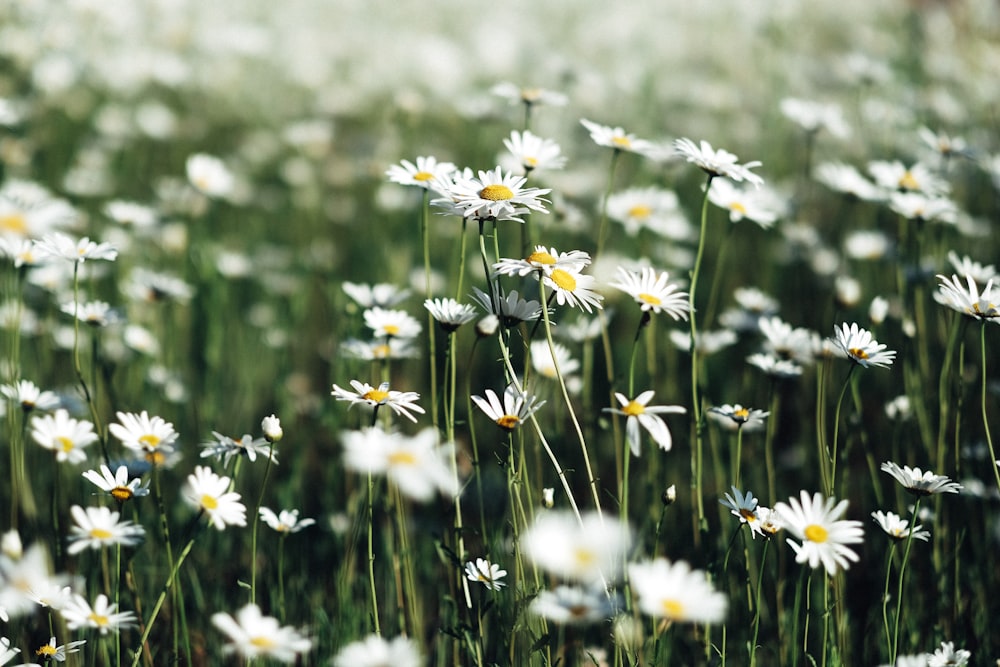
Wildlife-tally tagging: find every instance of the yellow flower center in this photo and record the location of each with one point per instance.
(14, 223)
(672, 609)
(650, 299)
(748, 515)
(66, 444)
(857, 352)
(496, 192)
(531, 162)
(584, 557)
(209, 502)
(48, 649)
(423, 176)
(531, 94)
(262, 642)
(742, 413)
(540, 257)
(402, 459)
(815, 533)
(381, 351)
(738, 207)
(121, 493)
(908, 182)
(156, 458)
(621, 142)
(634, 409)
(375, 395)
(149, 441)
(98, 620)
(100, 533)
(640, 211)
(508, 422)
(391, 330)
(564, 280)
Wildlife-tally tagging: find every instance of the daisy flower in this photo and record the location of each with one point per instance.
(638, 414)
(743, 507)
(579, 550)
(117, 485)
(26, 394)
(156, 287)
(750, 419)
(545, 364)
(423, 174)
(52, 651)
(572, 605)
(142, 433)
(253, 635)
(675, 592)
(573, 289)
(824, 535)
(6, 652)
(979, 305)
(543, 261)
(847, 180)
(785, 341)
(944, 145)
(131, 213)
(60, 246)
(209, 493)
(860, 347)
(395, 323)
(66, 436)
(418, 465)
(534, 153)
(102, 616)
(651, 208)
(493, 196)
(895, 176)
(815, 116)
(376, 651)
(384, 295)
(617, 138)
(920, 483)
(947, 656)
(93, 313)
(271, 426)
(286, 522)
(966, 266)
(653, 292)
(449, 313)
(898, 528)
(512, 309)
(761, 206)
(514, 410)
(717, 162)
(209, 175)
(225, 448)
(532, 96)
(370, 350)
(98, 527)
(769, 521)
(487, 573)
(400, 402)
(918, 206)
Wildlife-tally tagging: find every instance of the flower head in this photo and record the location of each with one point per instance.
(533, 153)
(514, 410)
(66, 436)
(209, 175)
(531, 96)
(142, 433)
(743, 418)
(492, 196)
(979, 305)
(271, 426)
(391, 323)
(225, 448)
(383, 295)
(29, 396)
(573, 605)
(117, 485)
(511, 309)
(617, 138)
(581, 551)
(824, 535)
(675, 592)
(209, 493)
(653, 291)
(859, 346)
(400, 402)
(423, 174)
(639, 413)
(759, 205)
(60, 246)
(487, 573)
(449, 313)
(376, 651)
(418, 464)
(717, 162)
(920, 483)
(98, 527)
(743, 507)
(102, 616)
(947, 655)
(286, 522)
(253, 635)
(898, 528)
(58, 653)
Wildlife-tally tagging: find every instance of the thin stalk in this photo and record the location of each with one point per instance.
(986, 423)
(756, 616)
(256, 525)
(371, 555)
(902, 579)
(885, 599)
(836, 431)
(431, 342)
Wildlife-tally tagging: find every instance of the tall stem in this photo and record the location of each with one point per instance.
(159, 601)
(986, 423)
(902, 579)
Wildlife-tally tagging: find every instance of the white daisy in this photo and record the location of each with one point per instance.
(824, 535)
(919, 482)
(376, 651)
(638, 414)
(487, 573)
(617, 138)
(651, 208)
(582, 551)
(979, 305)
(384, 295)
(515, 409)
(117, 485)
(252, 635)
(418, 465)
(814, 116)
(966, 266)
(860, 347)
(492, 196)
(744, 508)
(423, 174)
(395, 323)
(545, 364)
(759, 205)
(511, 309)
(653, 291)
(543, 260)
(209, 493)
(60, 246)
(846, 179)
(209, 175)
(749, 419)
(533, 153)
(675, 592)
(573, 605)
(62, 434)
(449, 313)
(400, 402)
(717, 162)
(58, 653)
(142, 433)
(102, 616)
(29, 396)
(898, 528)
(573, 289)
(947, 655)
(286, 522)
(99, 527)
(532, 95)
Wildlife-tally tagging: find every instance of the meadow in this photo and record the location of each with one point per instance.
(368, 333)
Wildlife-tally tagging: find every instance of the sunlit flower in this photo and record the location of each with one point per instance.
(156, 287)
(638, 414)
(423, 174)
(376, 651)
(675, 592)
(815, 116)
(947, 656)
(533, 153)
(58, 653)
(60, 246)
(142, 433)
(62, 434)
(573, 289)
(545, 364)
(487, 573)
(209, 493)
(224, 448)
(979, 305)
(769, 521)
(543, 260)
(117, 485)
(92, 313)
(286, 522)
(785, 341)
(514, 410)
(717, 162)
(966, 266)
(209, 175)
(579, 551)
(860, 347)
(573, 605)
(253, 635)
(898, 528)
(759, 205)
(418, 465)
(512, 309)
(651, 208)
(131, 213)
(617, 138)
(895, 175)
(99, 527)
(744, 418)
(653, 291)
(29, 211)
(369, 350)
(918, 206)
(824, 535)
(400, 402)
(493, 196)
(846, 179)
(773, 366)
(531, 95)
(919, 482)
(27, 394)
(384, 295)
(271, 426)
(395, 323)
(743, 507)
(102, 616)
(449, 313)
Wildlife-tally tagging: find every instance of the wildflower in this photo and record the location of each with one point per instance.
(548, 497)
(669, 495)
(545, 360)
(423, 174)
(572, 605)
(815, 116)
(376, 651)
(383, 295)
(418, 465)
(512, 309)
(897, 528)
(225, 448)
(253, 635)
(582, 551)
(400, 402)
(824, 536)
(978, 305)
(6, 652)
(156, 287)
(27, 394)
(617, 138)
(759, 205)
(392, 348)
(846, 179)
(867, 245)
(517, 407)
(102, 616)
(638, 414)
(895, 176)
(29, 211)
(530, 96)
(744, 418)
(394, 323)
(98, 527)
(573, 289)
(966, 266)
(859, 346)
(286, 522)
(66, 436)
(785, 341)
(918, 206)
(20, 251)
(271, 426)
(493, 196)
(675, 592)
(650, 208)
(118, 484)
(130, 213)
(60, 246)
(142, 433)
(653, 292)
(533, 152)
(717, 162)
(449, 313)
(487, 325)
(209, 175)
(51, 651)
(543, 261)
(743, 507)
(947, 656)
(769, 521)
(488, 574)
(93, 313)
(209, 493)
(773, 366)
(920, 483)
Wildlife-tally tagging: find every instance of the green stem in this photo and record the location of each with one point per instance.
(836, 431)
(431, 342)
(696, 486)
(986, 424)
(256, 525)
(371, 555)
(756, 616)
(885, 600)
(902, 579)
